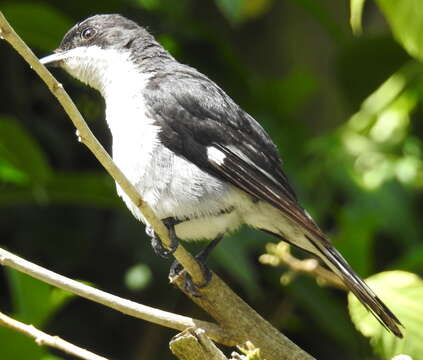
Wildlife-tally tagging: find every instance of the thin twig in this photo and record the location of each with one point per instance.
(41, 338)
(131, 308)
(280, 254)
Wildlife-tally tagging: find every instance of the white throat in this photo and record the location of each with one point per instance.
(118, 79)
(102, 69)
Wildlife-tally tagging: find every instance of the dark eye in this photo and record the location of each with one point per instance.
(88, 33)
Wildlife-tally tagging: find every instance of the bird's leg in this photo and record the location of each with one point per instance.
(156, 242)
(176, 268)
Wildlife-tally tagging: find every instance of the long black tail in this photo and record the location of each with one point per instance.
(356, 285)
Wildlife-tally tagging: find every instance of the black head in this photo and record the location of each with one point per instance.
(105, 31)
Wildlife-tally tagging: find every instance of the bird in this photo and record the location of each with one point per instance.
(202, 163)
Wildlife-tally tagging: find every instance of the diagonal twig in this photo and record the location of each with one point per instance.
(125, 306)
(42, 338)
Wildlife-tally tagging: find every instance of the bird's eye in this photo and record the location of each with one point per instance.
(88, 33)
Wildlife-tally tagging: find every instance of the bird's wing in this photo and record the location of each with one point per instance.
(201, 123)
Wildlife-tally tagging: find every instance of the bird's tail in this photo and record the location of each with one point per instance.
(356, 285)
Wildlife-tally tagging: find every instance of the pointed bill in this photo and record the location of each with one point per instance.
(54, 59)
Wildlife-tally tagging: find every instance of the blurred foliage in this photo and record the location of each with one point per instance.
(406, 21)
(44, 18)
(33, 302)
(343, 109)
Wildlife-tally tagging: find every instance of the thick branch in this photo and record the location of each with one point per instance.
(41, 338)
(243, 323)
(235, 316)
(195, 345)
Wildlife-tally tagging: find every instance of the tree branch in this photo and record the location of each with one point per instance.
(280, 254)
(128, 307)
(41, 338)
(195, 345)
(240, 321)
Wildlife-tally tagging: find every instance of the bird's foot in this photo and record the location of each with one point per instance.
(160, 249)
(156, 242)
(177, 270)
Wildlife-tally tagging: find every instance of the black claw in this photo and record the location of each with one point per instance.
(190, 287)
(159, 249)
(157, 243)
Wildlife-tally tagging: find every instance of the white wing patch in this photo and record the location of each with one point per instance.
(215, 155)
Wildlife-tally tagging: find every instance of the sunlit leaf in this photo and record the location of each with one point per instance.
(58, 298)
(17, 346)
(403, 293)
(9, 173)
(356, 13)
(406, 21)
(31, 298)
(39, 24)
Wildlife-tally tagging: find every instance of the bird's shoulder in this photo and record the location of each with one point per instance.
(194, 113)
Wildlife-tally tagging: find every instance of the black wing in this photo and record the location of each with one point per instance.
(194, 114)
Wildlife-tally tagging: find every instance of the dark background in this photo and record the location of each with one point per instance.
(297, 68)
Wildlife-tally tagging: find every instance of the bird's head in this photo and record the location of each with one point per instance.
(98, 47)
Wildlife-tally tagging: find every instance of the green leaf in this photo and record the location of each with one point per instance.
(20, 156)
(406, 21)
(17, 346)
(356, 12)
(51, 357)
(34, 301)
(403, 293)
(9, 173)
(39, 25)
